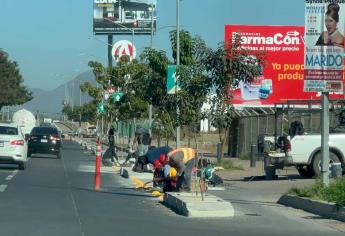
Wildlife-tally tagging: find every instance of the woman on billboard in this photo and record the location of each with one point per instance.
(331, 37)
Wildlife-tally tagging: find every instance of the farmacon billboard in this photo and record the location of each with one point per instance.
(124, 16)
(283, 76)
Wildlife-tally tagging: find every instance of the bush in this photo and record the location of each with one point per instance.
(335, 192)
(310, 192)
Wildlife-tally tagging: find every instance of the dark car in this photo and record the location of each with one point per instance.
(44, 140)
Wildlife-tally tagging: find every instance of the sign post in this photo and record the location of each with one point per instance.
(323, 62)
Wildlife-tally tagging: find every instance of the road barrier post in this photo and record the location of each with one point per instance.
(253, 152)
(98, 165)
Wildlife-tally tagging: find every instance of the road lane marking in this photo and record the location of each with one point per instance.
(3, 188)
(12, 175)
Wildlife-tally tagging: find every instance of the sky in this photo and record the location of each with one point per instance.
(53, 40)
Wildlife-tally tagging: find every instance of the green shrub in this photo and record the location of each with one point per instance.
(309, 192)
(335, 192)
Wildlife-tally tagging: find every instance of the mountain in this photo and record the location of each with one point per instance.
(51, 102)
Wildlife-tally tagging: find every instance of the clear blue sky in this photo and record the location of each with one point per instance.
(52, 40)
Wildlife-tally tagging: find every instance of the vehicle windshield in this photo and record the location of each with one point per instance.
(5, 130)
(44, 130)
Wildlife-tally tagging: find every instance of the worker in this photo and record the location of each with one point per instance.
(111, 141)
(165, 177)
(183, 159)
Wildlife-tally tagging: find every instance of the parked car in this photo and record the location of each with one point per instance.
(13, 147)
(44, 140)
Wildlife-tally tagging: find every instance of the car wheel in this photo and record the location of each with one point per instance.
(22, 165)
(316, 164)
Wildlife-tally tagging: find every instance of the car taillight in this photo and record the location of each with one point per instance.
(17, 142)
(54, 137)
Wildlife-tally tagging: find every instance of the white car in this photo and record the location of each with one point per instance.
(13, 146)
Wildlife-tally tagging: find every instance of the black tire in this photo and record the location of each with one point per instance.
(316, 164)
(22, 165)
(305, 171)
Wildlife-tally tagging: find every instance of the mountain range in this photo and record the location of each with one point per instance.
(51, 102)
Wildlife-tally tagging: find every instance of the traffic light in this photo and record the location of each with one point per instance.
(101, 107)
(117, 96)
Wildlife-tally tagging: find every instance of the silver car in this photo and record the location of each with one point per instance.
(13, 146)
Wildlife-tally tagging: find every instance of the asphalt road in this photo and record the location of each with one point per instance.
(56, 197)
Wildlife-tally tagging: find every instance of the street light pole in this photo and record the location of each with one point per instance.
(151, 45)
(177, 65)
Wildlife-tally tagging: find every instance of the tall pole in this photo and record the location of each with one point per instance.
(325, 139)
(110, 45)
(177, 65)
(151, 45)
(79, 104)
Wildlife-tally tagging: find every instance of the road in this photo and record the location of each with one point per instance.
(56, 197)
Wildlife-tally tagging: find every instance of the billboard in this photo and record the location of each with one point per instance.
(324, 46)
(124, 16)
(283, 76)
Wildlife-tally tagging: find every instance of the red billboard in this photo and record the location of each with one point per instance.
(282, 77)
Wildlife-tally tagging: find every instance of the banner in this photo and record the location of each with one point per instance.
(124, 16)
(283, 76)
(324, 45)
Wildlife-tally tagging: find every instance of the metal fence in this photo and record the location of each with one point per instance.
(245, 130)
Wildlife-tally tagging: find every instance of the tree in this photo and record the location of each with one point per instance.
(156, 92)
(12, 91)
(193, 82)
(226, 66)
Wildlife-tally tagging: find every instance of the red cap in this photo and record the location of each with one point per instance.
(162, 159)
(156, 164)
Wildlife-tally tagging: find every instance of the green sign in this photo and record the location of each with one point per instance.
(117, 96)
(172, 80)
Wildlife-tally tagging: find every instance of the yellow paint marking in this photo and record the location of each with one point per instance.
(156, 194)
(138, 182)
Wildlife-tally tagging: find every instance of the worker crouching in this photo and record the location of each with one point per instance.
(183, 160)
(164, 176)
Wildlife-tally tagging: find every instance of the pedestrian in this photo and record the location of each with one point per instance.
(111, 141)
(183, 159)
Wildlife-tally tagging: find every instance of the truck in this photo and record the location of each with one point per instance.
(88, 130)
(25, 120)
(303, 151)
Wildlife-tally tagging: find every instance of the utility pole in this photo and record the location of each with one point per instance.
(177, 65)
(325, 139)
(151, 45)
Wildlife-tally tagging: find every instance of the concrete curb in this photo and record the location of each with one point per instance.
(192, 205)
(325, 209)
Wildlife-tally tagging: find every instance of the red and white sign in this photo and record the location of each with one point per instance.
(283, 76)
(123, 47)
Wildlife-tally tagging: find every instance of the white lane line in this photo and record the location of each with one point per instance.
(3, 188)
(12, 175)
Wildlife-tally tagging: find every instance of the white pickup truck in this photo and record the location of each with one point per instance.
(304, 152)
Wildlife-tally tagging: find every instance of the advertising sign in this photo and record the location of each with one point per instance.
(121, 48)
(283, 76)
(124, 16)
(324, 46)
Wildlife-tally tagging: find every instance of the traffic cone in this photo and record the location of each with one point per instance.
(98, 165)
